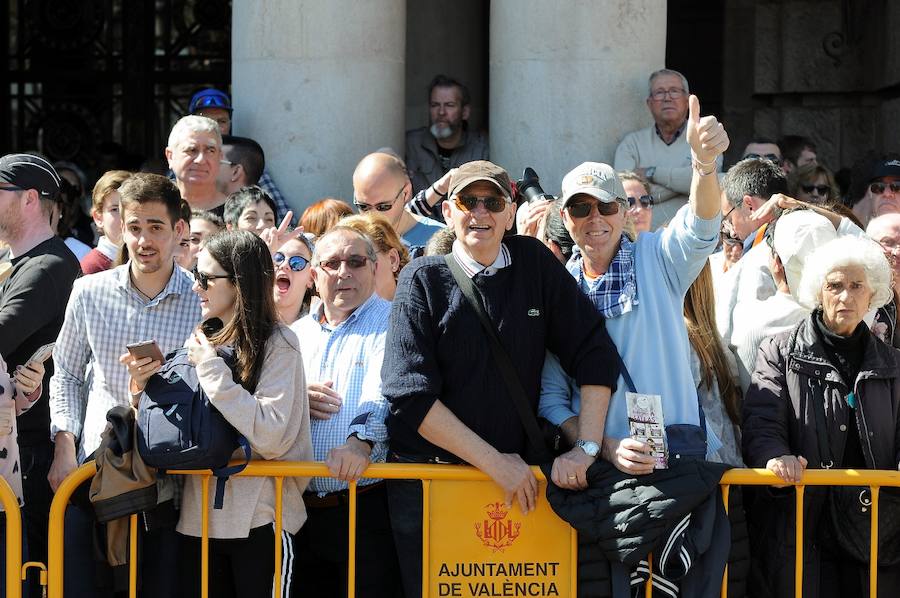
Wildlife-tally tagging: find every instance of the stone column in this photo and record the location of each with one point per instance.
(569, 79)
(318, 85)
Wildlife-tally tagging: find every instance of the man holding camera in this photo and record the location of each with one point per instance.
(449, 401)
(147, 298)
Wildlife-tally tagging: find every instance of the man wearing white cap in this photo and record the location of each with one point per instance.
(639, 288)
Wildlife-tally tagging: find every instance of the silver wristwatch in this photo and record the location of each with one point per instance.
(588, 446)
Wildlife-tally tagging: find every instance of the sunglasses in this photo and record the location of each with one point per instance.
(12, 188)
(770, 157)
(822, 190)
(646, 201)
(354, 262)
(729, 239)
(491, 203)
(210, 101)
(582, 209)
(878, 188)
(203, 279)
(380, 207)
(296, 263)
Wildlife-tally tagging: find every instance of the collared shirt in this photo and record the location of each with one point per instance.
(105, 313)
(350, 356)
(472, 267)
(615, 292)
(677, 133)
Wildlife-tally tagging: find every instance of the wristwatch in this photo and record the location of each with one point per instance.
(588, 446)
(649, 171)
(363, 437)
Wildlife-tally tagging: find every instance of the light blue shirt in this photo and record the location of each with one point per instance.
(349, 355)
(105, 312)
(651, 338)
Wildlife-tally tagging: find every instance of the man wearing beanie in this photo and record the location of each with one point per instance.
(32, 305)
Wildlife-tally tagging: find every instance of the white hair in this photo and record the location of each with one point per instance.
(846, 251)
(662, 72)
(193, 123)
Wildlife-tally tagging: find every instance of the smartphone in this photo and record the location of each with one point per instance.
(146, 349)
(42, 354)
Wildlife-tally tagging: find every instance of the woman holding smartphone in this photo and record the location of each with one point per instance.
(264, 398)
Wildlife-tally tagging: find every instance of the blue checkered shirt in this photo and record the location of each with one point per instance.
(615, 293)
(349, 355)
(105, 313)
(267, 184)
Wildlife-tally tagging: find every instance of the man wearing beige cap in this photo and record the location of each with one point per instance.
(450, 397)
(639, 287)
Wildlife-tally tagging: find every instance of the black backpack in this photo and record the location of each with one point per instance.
(179, 428)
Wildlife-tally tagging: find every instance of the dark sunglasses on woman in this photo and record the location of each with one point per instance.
(203, 278)
(296, 262)
(821, 190)
(646, 201)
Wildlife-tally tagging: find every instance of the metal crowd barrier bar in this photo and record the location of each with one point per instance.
(278, 470)
(13, 540)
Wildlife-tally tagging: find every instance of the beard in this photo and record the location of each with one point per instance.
(442, 131)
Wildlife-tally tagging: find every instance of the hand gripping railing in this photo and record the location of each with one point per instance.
(281, 469)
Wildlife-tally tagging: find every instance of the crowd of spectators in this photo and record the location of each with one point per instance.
(441, 317)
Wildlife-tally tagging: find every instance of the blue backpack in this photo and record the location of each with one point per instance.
(179, 428)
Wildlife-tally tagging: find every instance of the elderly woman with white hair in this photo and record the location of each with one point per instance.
(826, 394)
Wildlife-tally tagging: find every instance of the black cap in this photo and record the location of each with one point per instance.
(886, 168)
(28, 171)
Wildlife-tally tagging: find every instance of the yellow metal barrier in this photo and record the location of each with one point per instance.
(13, 540)
(281, 469)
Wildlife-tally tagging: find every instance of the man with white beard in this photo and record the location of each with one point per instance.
(432, 151)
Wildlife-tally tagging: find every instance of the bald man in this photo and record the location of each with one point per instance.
(886, 231)
(381, 185)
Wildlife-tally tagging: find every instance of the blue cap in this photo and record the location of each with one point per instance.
(209, 98)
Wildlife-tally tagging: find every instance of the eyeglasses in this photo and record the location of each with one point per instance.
(203, 278)
(381, 207)
(878, 187)
(646, 201)
(676, 93)
(491, 203)
(354, 262)
(296, 263)
(770, 157)
(582, 209)
(822, 190)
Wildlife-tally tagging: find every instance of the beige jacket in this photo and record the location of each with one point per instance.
(275, 420)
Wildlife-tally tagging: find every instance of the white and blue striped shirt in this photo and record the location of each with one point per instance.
(350, 356)
(105, 313)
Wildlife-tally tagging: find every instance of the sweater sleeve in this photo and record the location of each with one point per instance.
(766, 407)
(626, 154)
(264, 416)
(410, 374)
(31, 300)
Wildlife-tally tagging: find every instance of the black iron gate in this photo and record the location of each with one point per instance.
(100, 82)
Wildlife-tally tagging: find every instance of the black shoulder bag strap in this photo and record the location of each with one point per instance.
(504, 363)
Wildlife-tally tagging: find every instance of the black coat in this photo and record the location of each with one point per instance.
(622, 518)
(792, 375)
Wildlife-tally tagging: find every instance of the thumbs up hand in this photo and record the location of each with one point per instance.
(706, 135)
